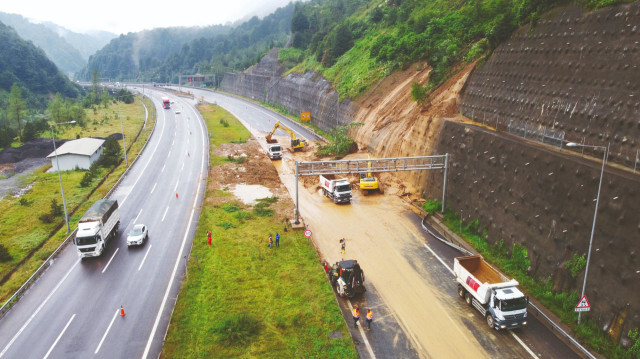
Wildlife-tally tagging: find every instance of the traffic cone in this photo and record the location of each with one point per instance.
(176, 194)
(122, 313)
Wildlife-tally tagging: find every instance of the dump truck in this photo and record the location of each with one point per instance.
(338, 189)
(97, 227)
(275, 152)
(296, 143)
(496, 297)
(347, 278)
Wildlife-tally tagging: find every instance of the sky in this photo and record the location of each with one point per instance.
(123, 16)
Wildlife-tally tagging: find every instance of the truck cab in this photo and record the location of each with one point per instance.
(275, 152)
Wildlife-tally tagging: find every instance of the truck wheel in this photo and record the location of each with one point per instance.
(461, 291)
(467, 298)
(490, 320)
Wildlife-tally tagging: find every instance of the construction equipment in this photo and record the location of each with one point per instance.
(368, 182)
(348, 278)
(296, 143)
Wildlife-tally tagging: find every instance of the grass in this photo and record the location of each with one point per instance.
(31, 241)
(514, 262)
(243, 299)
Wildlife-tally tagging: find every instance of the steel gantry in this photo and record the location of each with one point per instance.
(394, 164)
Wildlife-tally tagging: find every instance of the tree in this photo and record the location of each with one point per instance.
(17, 107)
(111, 153)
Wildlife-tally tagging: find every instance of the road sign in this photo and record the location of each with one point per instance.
(307, 233)
(305, 116)
(583, 305)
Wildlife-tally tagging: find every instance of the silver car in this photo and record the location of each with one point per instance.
(138, 235)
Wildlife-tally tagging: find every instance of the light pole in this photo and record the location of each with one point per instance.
(122, 125)
(595, 214)
(55, 151)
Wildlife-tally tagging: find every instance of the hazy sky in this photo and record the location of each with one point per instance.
(123, 16)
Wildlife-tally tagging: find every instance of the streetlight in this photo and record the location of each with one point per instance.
(55, 151)
(122, 125)
(595, 213)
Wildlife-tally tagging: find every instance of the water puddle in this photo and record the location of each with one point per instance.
(249, 194)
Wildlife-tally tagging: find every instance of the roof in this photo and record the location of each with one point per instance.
(84, 146)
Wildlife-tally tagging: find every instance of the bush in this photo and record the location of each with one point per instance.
(56, 209)
(236, 329)
(5, 256)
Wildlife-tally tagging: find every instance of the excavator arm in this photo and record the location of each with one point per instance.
(296, 143)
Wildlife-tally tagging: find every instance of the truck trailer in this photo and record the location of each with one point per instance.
(338, 189)
(97, 227)
(166, 104)
(496, 297)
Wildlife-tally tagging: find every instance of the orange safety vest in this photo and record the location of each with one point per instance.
(369, 315)
(356, 313)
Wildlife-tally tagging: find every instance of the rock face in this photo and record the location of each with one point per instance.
(573, 78)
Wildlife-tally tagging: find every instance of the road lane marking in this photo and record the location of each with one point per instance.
(107, 331)
(165, 214)
(451, 271)
(181, 168)
(38, 310)
(59, 336)
(145, 258)
(109, 262)
(162, 170)
(176, 188)
(533, 355)
(178, 258)
(139, 213)
(169, 154)
(366, 341)
(154, 187)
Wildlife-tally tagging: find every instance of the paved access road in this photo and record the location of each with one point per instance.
(73, 310)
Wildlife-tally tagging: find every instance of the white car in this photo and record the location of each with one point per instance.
(138, 235)
(178, 112)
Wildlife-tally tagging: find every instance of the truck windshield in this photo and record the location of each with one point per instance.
(343, 188)
(84, 241)
(513, 304)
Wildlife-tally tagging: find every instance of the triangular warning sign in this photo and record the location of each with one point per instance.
(583, 304)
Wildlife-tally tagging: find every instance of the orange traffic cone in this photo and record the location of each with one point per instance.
(122, 313)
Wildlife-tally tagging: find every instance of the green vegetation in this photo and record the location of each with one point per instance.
(243, 299)
(29, 241)
(341, 144)
(515, 264)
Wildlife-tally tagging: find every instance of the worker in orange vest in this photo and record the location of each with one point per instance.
(356, 316)
(369, 318)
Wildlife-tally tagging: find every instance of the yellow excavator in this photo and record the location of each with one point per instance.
(369, 183)
(296, 143)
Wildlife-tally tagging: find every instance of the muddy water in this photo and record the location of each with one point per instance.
(377, 231)
(250, 194)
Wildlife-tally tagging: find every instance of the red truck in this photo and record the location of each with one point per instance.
(166, 104)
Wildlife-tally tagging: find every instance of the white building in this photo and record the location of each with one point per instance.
(79, 153)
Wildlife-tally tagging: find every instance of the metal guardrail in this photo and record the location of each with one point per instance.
(540, 313)
(8, 304)
(395, 164)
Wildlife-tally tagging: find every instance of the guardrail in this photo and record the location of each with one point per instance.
(16, 296)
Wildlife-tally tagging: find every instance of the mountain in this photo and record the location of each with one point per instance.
(24, 63)
(87, 43)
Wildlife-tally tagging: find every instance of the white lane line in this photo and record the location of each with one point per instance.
(150, 159)
(176, 188)
(169, 154)
(162, 170)
(533, 355)
(451, 270)
(165, 214)
(364, 337)
(109, 262)
(59, 336)
(145, 258)
(181, 168)
(178, 258)
(38, 310)
(138, 216)
(154, 187)
(107, 331)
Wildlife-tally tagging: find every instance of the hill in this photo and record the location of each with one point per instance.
(29, 66)
(87, 44)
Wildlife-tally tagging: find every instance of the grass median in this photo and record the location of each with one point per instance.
(242, 298)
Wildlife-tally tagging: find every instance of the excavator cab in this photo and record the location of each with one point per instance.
(368, 182)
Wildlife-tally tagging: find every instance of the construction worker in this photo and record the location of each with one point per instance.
(342, 245)
(369, 318)
(356, 316)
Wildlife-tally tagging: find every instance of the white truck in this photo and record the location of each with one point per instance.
(497, 298)
(338, 189)
(275, 152)
(97, 227)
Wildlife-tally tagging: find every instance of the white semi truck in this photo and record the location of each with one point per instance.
(338, 189)
(97, 227)
(497, 298)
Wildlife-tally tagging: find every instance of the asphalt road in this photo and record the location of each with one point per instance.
(73, 310)
(430, 258)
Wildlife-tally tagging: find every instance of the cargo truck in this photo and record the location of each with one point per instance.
(166, 104)
(338, 189)
(275, 152)
(496, 297)
(97, 227)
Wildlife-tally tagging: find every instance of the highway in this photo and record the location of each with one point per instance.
(73, 310)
